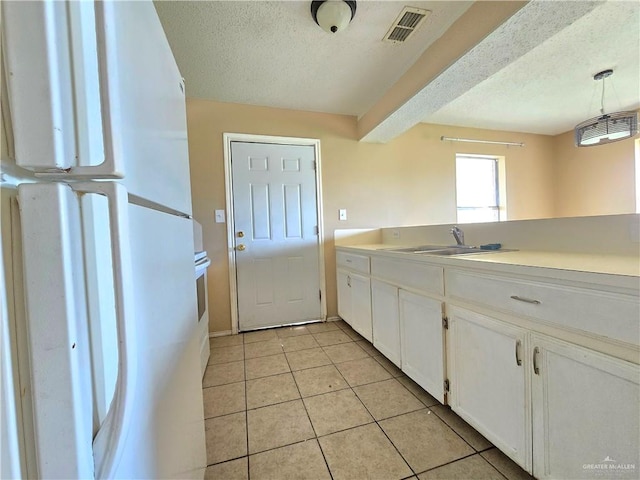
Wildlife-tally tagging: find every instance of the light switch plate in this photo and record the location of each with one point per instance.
(219, 216)
(342, 214)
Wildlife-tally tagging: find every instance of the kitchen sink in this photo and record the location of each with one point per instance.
(420, 249)
(459, 251)
(442, 250)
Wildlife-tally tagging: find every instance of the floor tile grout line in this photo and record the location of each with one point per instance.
(226, 461)
(454, 430)
(347, 387)
(493, 466)
(376, 421)
(427, 407)
(313, 428)
(460, 459)
(383, 432)
(382, 429)
(274, 448)
(497, 469)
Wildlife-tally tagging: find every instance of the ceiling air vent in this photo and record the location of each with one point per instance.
(405, 24)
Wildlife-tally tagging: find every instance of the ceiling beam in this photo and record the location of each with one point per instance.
(471, 28)
(454, 64)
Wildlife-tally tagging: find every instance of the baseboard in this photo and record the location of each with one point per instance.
(223, 333)
(333, 319)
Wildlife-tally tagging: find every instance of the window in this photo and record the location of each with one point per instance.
(479, 183)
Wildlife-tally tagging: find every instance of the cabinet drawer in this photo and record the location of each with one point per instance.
(416, 275)
(358, 263)
(601, 313)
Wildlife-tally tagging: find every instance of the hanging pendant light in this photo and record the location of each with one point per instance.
(333, 15)
(607, 128)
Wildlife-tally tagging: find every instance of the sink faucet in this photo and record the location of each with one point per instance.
(458, 235)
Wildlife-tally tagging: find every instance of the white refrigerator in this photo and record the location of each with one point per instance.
(100, 353)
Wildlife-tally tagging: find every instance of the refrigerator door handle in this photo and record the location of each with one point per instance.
(109, 442)
(111, 167)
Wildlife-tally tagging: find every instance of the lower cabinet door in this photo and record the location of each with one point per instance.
(361, 305)
(386, 320)
(422, 341)
(586, 410)
(486, 365)
(344, 296)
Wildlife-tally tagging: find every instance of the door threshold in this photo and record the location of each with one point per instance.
(296, 324)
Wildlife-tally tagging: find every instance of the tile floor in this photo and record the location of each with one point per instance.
(319, 402)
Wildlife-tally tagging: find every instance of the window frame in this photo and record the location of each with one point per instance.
(500, 206)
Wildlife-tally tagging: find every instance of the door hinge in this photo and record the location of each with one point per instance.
(316, 230)
(446, 385)
(320, 294)
(315, 165)
(445, 323)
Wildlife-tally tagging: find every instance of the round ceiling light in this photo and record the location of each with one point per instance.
(333, 15)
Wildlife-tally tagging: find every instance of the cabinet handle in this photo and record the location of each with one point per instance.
(536, 369)
(526, 300)
(518, 358)
(348, 280)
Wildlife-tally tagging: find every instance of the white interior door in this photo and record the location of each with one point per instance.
(276, 234)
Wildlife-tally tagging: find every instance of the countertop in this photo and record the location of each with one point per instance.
(614, 270)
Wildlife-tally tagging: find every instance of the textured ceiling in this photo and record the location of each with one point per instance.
(532, 74)
(551, 88)
(271, 53)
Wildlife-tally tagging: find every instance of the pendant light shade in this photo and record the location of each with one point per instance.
(333, 15)
(606, 128)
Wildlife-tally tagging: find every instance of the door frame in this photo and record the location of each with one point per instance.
(228, 184)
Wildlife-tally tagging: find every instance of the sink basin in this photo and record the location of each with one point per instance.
(442, 250)
(458, 251)
(420, 249)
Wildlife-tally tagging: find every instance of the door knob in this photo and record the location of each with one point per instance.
(241, 247)
(240, 234)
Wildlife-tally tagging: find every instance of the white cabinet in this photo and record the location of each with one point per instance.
(361, 305)
(344, 296)
(586, 409)
(385, 317)
(486, 369)
(354, 301)
(505, 379)
(523, 355)
(354, 292)
(422, 341)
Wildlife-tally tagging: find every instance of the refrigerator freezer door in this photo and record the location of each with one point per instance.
(151, 102)
(167, 438)
(99, 97)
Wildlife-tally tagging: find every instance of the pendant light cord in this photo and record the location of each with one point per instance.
(602, 97)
